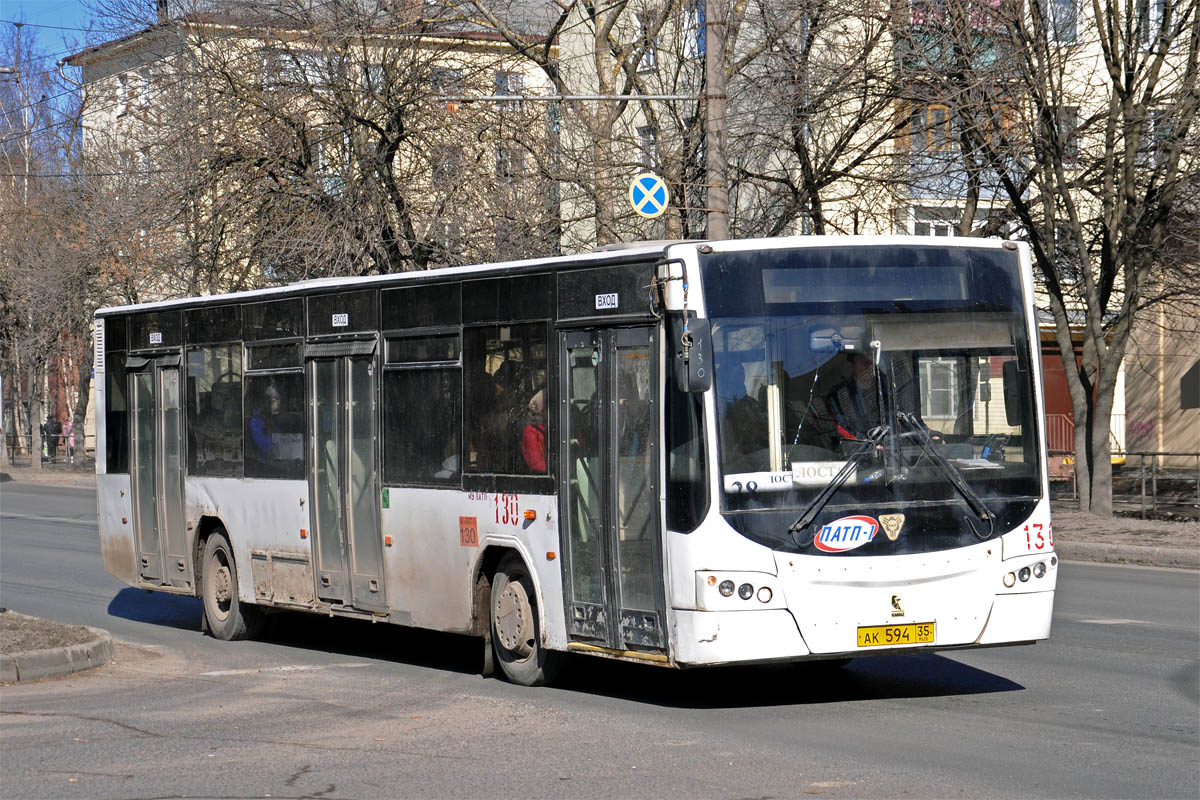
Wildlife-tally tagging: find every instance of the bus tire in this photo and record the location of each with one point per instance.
(227, 617)
(516, 631)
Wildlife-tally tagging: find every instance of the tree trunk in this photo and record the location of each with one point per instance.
(1083, 477)
(35, 416)
(79, 416)
(1101, 459)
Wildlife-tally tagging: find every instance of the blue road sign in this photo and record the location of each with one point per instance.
(648, 195)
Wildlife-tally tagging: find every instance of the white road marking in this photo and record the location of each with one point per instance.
(1116, 622)
(285, 668)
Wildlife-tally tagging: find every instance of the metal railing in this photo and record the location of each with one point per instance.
(1143, 475)
(18, 450)
(1154, 456)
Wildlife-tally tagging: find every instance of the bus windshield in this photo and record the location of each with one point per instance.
(911, 363)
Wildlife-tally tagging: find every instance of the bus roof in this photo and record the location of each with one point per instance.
(634, 251)
(399, 278)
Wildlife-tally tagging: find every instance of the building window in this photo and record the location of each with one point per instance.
(928, 129)
(1067, 122)
(927, 12)
(123, 90)
(510, 85)
(446, 164)
(510, 160)
(921, 221)
(1066, 255)
(646, 22)
(446, 82)
(939, 379)
(694, 29)
(1150, 19)
(1189, 388)
(328, 157)
(647, 147)
(1061, 21)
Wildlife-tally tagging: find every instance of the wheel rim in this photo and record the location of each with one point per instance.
(514, 620)
(219, 583)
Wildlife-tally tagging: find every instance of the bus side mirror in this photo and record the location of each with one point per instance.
(1014, 388)
(693, 357)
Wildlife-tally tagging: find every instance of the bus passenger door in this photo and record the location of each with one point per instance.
(609, 485)
(157, 468)
(347, 544)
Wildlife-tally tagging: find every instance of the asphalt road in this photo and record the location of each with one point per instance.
(1109, 707)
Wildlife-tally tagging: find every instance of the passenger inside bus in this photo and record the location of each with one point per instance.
(533, 435)
(264, 425)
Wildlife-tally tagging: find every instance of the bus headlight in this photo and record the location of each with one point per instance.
(764, 594)
(1023, 574)
(745, 591)
(1039, 569)
(726, 588)
(1010, 580)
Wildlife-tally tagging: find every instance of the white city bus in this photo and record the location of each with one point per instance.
(686, 454)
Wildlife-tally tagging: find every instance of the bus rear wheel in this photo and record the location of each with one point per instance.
(516, 632)
(228, 618)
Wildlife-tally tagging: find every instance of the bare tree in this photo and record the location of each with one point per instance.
(813, 90)
(295, 139)
(1084, 116)
(44, 319)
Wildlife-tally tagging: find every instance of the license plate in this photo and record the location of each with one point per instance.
(890, 635)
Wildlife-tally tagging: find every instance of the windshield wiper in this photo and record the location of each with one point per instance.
(858, 456)
(950, 472)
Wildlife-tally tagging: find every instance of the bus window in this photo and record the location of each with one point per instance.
(213, 324)
(687, 488)
(116, 417)
(274, 319)
(116, 411)
(274, 433)
(214, 411)
(505, 367)
(422, 380)
(422, 306)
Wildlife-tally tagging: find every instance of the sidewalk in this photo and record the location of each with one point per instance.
(1077, 536)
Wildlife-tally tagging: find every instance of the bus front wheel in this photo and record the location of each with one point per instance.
(516, 632)
(228, 618)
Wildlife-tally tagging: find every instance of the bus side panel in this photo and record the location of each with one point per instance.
(437, 536)
(259, 515)
(114, 506)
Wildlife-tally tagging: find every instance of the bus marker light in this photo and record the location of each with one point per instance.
(1053, 560)
(387, 540)
(303, 533)
(745, 591)
(764, 594)
(726, 588)
(531, 514)
(1023, 574)
(712, 580)
(1010, 580)
(124, 520)
(1039, 569)
(551, 555)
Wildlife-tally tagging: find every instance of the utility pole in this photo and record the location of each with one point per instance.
(716, 98)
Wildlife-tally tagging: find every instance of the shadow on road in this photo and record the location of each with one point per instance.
(159, 608)
(878, 677)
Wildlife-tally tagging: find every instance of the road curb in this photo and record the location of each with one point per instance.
(55, 662)
(1128, 554)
